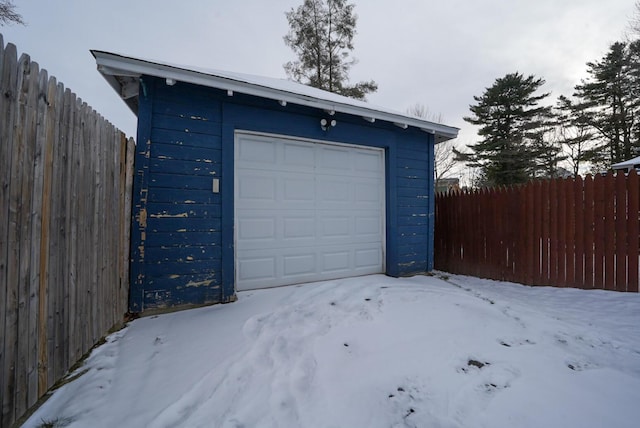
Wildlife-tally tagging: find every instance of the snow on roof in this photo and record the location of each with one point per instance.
(631, 163)
(122, 73)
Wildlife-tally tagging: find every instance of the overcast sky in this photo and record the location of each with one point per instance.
(436, 53)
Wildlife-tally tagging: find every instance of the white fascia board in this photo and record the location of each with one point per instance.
(112, 64)
(626, 164)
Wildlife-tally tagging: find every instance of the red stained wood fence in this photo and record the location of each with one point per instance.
(580, 233)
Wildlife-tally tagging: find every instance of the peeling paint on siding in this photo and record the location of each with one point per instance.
(407, 265)
(142, 218)
(204, 283)
(163, 215)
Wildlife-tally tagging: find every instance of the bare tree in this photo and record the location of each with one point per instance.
(635, 20)
(574, 133)
(444, 159)
(8, 13)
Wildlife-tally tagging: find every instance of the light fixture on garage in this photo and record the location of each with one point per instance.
(325, 124)
(170, 82)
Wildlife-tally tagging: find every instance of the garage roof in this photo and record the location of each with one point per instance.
(631, 163)
(122, 73)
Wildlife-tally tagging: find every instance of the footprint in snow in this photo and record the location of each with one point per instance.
(507, 311)
(406, 401)
(578, 366)
(494, 378)
(509, 343)
(498, 378)
(473, 365)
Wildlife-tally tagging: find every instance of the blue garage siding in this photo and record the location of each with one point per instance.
(415, 217)
(177, 257)
(182, 237)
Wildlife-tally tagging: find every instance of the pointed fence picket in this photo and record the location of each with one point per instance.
(580, 233)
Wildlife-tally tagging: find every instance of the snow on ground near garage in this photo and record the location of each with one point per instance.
(370, 352)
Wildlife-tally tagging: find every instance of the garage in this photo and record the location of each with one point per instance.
(306, 211)
(246, 182)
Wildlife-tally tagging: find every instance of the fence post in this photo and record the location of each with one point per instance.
(562, 233)
(609, 232)
(537, 209)
(570, 235)
(589, 232)
(530, 260)
(579, 216)
(621, 232)
(598, 231)
(633, 220)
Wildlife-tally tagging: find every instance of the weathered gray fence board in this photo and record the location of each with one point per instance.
(5, 169)
(125, 224)
(65, 194)
(9, 82)
(22, 204)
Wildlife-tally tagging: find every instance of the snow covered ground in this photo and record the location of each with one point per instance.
(370, 352)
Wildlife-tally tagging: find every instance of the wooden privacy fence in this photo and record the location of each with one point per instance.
(565, 232)
(65, 192)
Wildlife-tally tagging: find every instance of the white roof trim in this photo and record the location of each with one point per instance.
(631, 163)
(117, 69)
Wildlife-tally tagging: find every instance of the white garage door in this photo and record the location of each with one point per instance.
(306, 211)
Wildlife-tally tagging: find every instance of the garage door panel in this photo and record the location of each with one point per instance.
(367, 192)
(366, 258)
(256, 228)
(295, 227)
(298, 189)
(256, 151)
(257, 187)
(369, 163)
(334, 226)
(332, 190)
(306, 212)
(299, 264)
(335, 261)
(334, 158)
(297, 156)
(368, 225)
(262, 268)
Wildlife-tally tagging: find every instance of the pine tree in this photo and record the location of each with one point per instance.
(510, 122)
(610, 99)
(321, 34)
